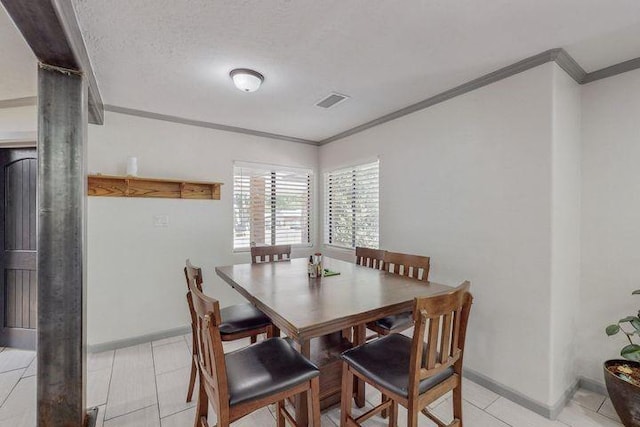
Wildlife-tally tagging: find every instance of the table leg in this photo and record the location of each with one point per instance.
(302, 411)
(359, 338)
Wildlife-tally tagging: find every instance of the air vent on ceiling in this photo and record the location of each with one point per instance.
(332, 100)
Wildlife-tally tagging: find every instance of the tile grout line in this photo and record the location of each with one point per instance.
(128, 413)
(491, 415)
(113, 362)
(17, 369)
(155, 381)
(175, 369)
(173, 413)
(586, 407)
(494, 401)
(167, 343)
(12, 388)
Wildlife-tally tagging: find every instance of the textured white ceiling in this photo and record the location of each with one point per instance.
(173, 56)
(18, 66)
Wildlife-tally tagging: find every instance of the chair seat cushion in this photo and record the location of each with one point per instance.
(240, 318)
(396, 322)
(265, 368)
(386, 362)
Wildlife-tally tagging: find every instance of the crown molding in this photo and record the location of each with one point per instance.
(487, 79)
(613, 70)
(18, 102)
(204, 124)
(558, 55)
(569, 65)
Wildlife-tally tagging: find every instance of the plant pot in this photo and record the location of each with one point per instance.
(624, 395)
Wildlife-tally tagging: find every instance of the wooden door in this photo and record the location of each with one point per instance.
(18, 309)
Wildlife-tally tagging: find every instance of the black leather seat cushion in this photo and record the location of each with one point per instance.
(265, 368)
(397, 321)
(241, 317)
(386, 361)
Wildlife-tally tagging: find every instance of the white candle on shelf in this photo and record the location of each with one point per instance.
(132, 166)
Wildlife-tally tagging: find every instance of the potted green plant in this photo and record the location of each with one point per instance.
(622, 376)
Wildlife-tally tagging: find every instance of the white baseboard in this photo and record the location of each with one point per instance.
(128, 342)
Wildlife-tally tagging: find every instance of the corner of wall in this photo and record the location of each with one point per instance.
(565, 232)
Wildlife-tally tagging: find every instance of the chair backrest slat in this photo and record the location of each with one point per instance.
(456, 329)
(445, 348)
(260, 254)
(368, 257)
(432, 347)
(444, 319)
(414, 266)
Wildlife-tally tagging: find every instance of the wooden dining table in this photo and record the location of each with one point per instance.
(314, 312)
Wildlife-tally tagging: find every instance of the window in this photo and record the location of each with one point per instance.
(271, 206)
(351, 206)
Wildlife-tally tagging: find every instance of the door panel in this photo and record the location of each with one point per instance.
(18, 180)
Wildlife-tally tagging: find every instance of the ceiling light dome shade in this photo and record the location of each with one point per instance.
(246, 80)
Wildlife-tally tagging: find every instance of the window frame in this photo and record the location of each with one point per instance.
(274, 169)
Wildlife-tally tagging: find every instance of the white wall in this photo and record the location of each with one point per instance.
(468, 182)
(18, 126)
(18, 119)
(135, 280)
(565, 236)
(610, 215)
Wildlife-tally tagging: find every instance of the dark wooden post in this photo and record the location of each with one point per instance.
(62, 136)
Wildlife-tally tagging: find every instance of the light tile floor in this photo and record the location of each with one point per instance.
(145, 385)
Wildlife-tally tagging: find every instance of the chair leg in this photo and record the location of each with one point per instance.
(279, 415)
(393, 415)
(202, 407)
(412, 417)
(384, 412)
(347, 393)
(192, 380)
(254, 339)
(457, 403)
(313, 402)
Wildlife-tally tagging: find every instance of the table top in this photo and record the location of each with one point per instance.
(304, 307)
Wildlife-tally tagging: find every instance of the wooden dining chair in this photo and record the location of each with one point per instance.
(412, 266)
(368, 257)
(414, 372)
(273, 253)
(245, 380)
(238, 321)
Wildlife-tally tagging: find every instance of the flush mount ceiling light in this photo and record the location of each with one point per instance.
(246, 80)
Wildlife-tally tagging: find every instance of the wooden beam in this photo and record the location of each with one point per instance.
(51, 29)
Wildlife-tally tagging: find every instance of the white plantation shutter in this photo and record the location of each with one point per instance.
(352, 206)
(271, 206)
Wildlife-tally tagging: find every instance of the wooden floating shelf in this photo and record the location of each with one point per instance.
(133, 186)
